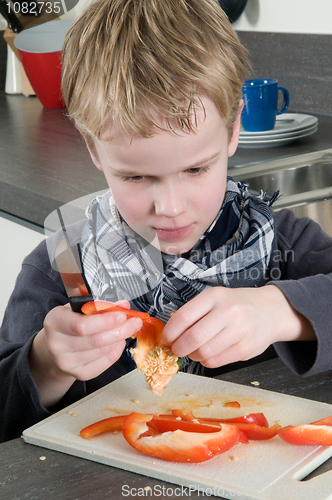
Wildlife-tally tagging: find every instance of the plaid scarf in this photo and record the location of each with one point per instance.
(120, 264)
(233, 252)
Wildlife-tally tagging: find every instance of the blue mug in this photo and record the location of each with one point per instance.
(261, 104)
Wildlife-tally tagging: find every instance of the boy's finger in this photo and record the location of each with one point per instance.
(82, 325)
(106, 338)
(82, 357)
(201, 336)
(85, 365)
(185, 318)
(231, 355)
(220, 343)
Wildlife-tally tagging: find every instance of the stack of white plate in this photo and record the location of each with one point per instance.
(288, 128)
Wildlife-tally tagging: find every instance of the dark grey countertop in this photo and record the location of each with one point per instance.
(44, 162)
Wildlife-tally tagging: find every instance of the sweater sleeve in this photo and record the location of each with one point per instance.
(37, 290)
(306, 281)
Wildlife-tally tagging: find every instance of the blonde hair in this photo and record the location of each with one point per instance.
(124, 61)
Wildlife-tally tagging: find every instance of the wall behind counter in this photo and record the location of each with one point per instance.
(287, 16)
(301, 62)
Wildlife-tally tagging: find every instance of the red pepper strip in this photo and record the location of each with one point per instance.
(100, 306)
(163, 424)
(258, 433)
(252, 418)
(323, 421)
(232, 404)
(178, 445)
(251, 430)
(307, 434)
(106, 425)
(110, 424)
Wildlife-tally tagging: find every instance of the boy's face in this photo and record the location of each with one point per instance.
(170, 186)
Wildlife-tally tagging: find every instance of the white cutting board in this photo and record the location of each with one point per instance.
(259, 470)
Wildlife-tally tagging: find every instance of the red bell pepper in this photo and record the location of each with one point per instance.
(153, 358)
(254, 426)
(257, 432)
(251, 418)
(323, 421)
(178, 445)
(111, 424)
(308, 434)
(163, 423)
(232, 404)
(100, 306)
(151, 331)
(251, 431)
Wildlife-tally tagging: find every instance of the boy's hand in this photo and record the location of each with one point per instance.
(74, 346)
(223, 325)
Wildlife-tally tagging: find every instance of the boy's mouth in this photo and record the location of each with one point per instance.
(174, 233)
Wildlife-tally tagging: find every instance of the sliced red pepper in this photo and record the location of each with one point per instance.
(100, 306)
(252, 431)
(251, 418)
(307, 434)
(178, 445)
(232, 404)
(257, 432)
(111, 424)
(246, 424)
(323, 421)
(164, 424)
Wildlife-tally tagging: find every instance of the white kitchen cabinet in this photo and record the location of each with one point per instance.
(17, 241)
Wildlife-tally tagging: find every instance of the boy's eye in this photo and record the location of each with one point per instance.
(197, 170)
(134, 178)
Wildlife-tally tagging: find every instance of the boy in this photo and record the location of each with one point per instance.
(155, 89)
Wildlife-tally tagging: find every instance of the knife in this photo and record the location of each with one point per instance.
(11, 18)
(71, 275)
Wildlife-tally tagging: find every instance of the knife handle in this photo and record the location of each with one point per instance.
(78, 302)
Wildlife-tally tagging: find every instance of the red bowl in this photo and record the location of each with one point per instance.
(40, 51)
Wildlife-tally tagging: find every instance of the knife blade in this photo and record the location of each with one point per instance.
(71, 275)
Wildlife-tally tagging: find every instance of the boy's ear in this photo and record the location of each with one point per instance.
(233, 143)
(93, 154)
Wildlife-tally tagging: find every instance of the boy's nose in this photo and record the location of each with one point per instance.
(170, 200)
